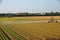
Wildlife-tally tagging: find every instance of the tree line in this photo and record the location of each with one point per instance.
(29, 14)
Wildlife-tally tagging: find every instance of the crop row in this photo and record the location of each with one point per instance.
(11, 33)
(3, 35)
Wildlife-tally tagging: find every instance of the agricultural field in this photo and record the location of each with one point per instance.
(29, 28)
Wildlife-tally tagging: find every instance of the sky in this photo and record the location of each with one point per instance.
(14, 6)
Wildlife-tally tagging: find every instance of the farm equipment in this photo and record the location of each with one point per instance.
(52, 20)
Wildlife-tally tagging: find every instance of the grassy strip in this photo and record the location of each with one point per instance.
(13, 34)
(3, 36)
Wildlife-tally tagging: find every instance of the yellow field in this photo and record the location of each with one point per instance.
(33, 18)
(31, 28)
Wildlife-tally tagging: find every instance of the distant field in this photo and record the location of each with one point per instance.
(33, 18)
(30, 28)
